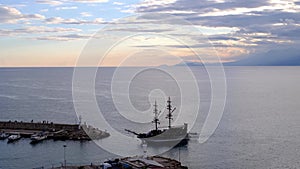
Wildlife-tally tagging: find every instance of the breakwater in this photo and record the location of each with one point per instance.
(53, 130)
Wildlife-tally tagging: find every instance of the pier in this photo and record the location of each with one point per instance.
(53, 130)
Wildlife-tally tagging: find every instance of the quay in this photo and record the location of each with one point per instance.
(137, 162)
(52, 130)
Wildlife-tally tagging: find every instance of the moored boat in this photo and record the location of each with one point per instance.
(13, 138)
(35, 138)
(3, 136)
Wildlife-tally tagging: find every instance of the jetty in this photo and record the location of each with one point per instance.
(52, 130)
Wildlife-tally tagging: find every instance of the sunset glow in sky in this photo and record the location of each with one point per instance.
(54, 32)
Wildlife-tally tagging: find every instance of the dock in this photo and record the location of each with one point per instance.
(136, 162)
(53, 130)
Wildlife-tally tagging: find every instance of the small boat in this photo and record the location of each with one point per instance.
(35, 138)
(13, 138)
(3, 136)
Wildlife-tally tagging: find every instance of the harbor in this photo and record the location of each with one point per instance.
(38, 131)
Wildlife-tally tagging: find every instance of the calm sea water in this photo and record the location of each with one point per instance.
(259, 128)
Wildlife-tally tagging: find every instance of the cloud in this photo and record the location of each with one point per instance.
(252, 25)
(234, 13)
(66, 8)
(118, 3)
(36, 30)
(45, 33)
(290, 34)
(154, 3)
(12, 15)
(130, 11)
(67, 37)
(200, 7)
(260, 25)
(49, 2)
(85, 14)
(60, 2)
(91, 1)
(135, 29)
(44, 10)
(59, 20)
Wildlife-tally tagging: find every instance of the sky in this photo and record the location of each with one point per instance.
(56, 32)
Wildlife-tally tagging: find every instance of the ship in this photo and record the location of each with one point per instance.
(172, 135)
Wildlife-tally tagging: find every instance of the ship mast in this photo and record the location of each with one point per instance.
(169, 108)
(156, 120)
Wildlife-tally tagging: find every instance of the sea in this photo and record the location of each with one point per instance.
(259, 127)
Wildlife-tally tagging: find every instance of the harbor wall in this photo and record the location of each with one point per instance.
(38, 126)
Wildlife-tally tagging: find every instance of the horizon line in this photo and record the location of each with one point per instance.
(12, 67)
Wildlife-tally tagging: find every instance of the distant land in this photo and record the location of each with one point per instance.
(275, 57)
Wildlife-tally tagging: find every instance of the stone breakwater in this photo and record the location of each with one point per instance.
(53, 130)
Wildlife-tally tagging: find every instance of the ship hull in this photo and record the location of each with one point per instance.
(169, 137)
(166, 142)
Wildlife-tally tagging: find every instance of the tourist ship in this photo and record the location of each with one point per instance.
(172, 135)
